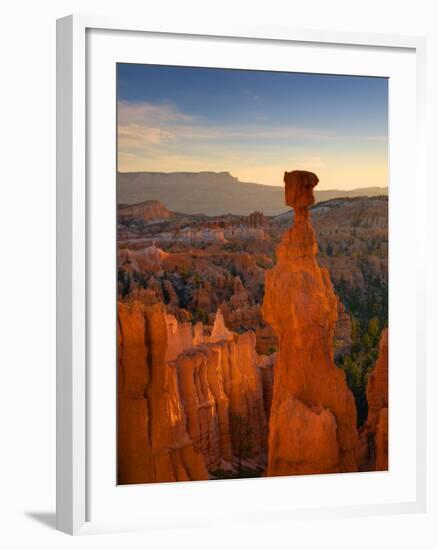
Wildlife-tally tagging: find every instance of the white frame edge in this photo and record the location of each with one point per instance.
(71, 276)
(71, 432)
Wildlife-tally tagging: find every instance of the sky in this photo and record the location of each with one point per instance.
(253, 124)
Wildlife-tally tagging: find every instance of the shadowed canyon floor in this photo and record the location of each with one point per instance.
(237, 355)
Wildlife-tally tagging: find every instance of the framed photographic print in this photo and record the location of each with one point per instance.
(233, 212)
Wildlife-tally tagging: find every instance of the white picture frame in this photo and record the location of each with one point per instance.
(74, 463)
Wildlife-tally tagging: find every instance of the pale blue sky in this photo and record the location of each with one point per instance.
(254, 124)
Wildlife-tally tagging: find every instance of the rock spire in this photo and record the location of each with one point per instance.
(313, 416)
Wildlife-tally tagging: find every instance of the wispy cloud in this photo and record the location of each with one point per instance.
(148, 113)
(137, 135)
(163, 138)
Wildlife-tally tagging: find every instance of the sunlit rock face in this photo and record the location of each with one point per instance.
(153, 444)
(312, 426)
(219, 330)
(147, 259)
(267, 365)
(221, 388)
(135, 460)
(147, 210)
(377, 385)
(188, 405)
(299, 186)
(374, 435)
(180, 336)
(342, 332)
(247, 401)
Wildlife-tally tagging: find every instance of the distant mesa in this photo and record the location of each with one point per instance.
(211, 193)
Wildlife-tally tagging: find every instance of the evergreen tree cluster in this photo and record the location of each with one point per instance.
(368, 310)
(358, 364)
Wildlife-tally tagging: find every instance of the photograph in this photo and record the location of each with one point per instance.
(252, 273)
(220, 251)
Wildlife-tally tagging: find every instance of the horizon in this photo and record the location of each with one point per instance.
(253, 124)
(248, 182)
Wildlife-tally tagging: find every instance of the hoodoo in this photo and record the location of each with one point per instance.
(153, 444)
(189, 406)
(313, 416)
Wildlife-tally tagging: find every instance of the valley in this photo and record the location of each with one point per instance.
(193, 338)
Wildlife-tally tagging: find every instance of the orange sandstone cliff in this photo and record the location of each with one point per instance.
(312, 427)
(188, 405)
(375, 432)
(153, 444)
(221, 387)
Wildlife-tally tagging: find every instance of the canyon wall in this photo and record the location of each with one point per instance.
(221, 386)
(188, 404)
(312, 427)
(153, 444)
(374, 435)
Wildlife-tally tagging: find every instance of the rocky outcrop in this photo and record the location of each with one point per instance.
(266, 340)
(312, 426)
(181, 336)
(147, 211)
(240, 296)
(204, 298)
(206, 403)
(242, 318)
(146, 259)
(239, 312)
(188, 403)
(135, 459)
(266, 366)
(256, 219)
(219, 330)
(153, 444)
(342, 332)
(221, 388)
(248, 420)
(374, 435)
(170, 295)
(381, 441)
(377, 384)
